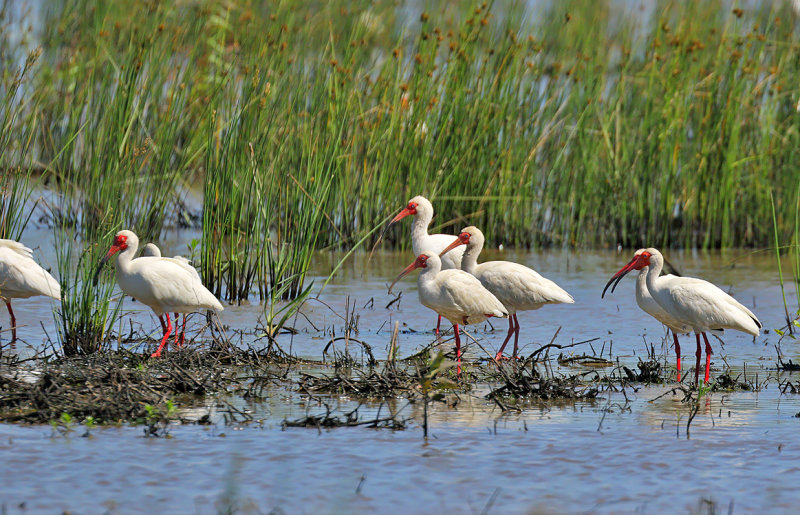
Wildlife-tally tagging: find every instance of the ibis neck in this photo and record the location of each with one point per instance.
(419, 229)
(429, 273)
(641, 286)
(124, 258)
(652, 271)
(469, 262)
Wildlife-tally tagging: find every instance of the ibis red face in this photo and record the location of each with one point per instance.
(120, 243)
(640, 260)
(411, 209)
(420, 262)
(463, 239)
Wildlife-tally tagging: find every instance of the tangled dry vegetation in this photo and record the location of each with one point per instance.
(122, 386)
(125, 387)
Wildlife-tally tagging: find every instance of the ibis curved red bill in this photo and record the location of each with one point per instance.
(402, 214)
(462, 239)
(418, 263)
(634, 264)
(119, 244)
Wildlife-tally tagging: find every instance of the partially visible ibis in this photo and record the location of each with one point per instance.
(21, 277)
(422, 210)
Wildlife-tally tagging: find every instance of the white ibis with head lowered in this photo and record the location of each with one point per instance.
(694, 303)
(518, 287)
(646, 303)
(422, 210)
(21, 277)
(165, 285)
(453, 294)
(152, 250)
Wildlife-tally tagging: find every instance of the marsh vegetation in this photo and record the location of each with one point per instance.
(277, 138)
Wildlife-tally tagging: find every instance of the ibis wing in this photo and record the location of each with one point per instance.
(175, 287)
(17, 248)
(520, 287)
(22, 277)
(707, 305)
(469, 297)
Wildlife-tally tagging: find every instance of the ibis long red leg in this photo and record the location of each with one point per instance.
(499, 354)
(458, 349)
(516, 334)
(438, 323)
(163, 325)
(677, 353)
(178, 343)
(183, 331)
(157, 354)
(13, 321)
(708, 357)
(697, 354)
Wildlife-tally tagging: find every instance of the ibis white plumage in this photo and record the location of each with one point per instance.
(165, 285)
(454, 294)
(518, 287)
(422, 210)
(21, 277)
(695, 303)
(152, 250)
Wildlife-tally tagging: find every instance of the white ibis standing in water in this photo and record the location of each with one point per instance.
(152, 250)
(21, 277)
(165, 285)
(518, 287)
(694, 303)
(453, 294)
(422, 209)
(645, 301)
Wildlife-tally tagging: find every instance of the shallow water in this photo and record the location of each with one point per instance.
(580, 457)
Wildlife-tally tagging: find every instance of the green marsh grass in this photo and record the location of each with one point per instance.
(573, 124)
(793, 252)
(581, 125)
(118, 157)
(16, 139)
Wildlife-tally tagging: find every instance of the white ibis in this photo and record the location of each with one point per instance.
(453, 294)
(152, 250)
(165, 285)
(422, 209)
(695, 303)
(21, 277)
(518, 287)
(645, 301)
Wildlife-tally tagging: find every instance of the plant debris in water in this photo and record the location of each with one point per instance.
(120, 386)
(650, 371)
(727, 382)
(527, 382)
(389, 382)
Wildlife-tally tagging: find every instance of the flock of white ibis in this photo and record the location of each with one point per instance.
(449, 287)
(452, 283)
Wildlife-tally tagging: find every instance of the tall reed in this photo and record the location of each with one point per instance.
(16, 143)
(117, 140)
(575, 123)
